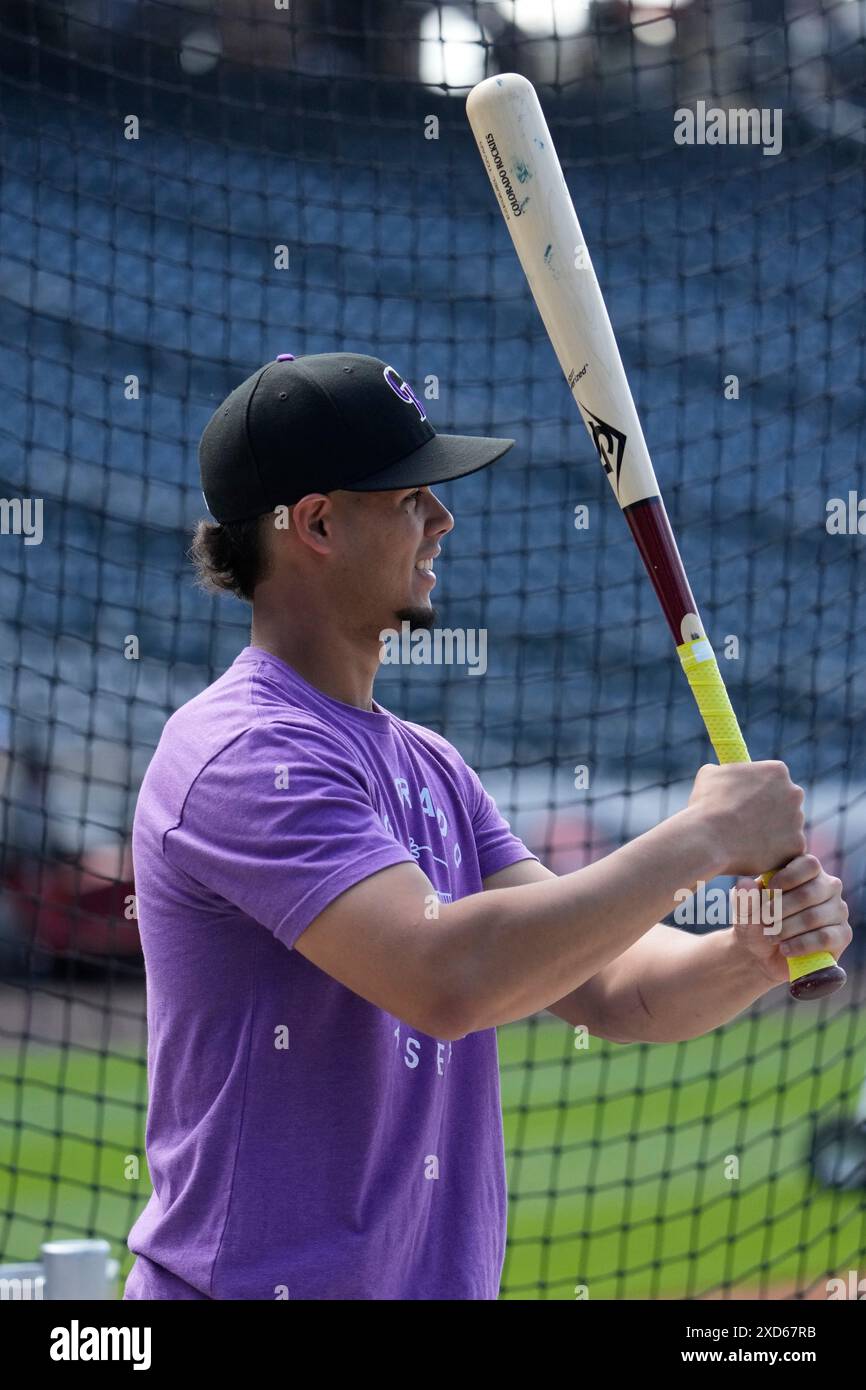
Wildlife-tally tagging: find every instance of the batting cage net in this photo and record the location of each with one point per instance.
(190, 190)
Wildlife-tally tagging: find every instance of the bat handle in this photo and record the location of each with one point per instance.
(811, 976)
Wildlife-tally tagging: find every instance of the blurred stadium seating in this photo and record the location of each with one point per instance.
(137, 287)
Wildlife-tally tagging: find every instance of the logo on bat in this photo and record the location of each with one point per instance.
(609, 443)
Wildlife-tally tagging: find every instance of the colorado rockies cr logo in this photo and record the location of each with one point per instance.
(402, 389)
(609, 443)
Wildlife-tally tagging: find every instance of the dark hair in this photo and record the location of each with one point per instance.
(229, 558)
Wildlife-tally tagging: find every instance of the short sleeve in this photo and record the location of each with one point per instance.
(280, 823)
(495, 843)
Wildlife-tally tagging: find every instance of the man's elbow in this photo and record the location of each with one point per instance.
(450, 1019)
(455, 1004)
(442, 1008)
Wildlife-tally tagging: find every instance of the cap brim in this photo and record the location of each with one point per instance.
(438, 460)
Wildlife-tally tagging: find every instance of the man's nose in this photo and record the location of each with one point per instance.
(441, 520)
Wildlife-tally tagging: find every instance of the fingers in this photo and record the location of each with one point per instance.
(754, 811)
(799, 840)
(833, 938)
(802, 911)
(799, 870)
(824, 914)
(823, 888)
(786, 901)
(792, 917)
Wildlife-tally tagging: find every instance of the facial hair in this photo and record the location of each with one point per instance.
(419, 619)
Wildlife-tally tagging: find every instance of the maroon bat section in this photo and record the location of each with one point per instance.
(651, 529)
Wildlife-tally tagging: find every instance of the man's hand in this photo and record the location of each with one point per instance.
(808, 914)
(754, 814)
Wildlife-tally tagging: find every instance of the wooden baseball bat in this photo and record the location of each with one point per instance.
(521, 162)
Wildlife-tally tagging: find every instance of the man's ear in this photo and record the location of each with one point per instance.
(311, 521)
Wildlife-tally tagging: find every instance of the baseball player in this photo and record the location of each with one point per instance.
(335, 916)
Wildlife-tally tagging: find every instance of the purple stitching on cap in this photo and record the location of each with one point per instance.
(285, 357)
(403, 390)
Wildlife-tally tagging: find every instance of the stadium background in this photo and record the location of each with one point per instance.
(154, 259)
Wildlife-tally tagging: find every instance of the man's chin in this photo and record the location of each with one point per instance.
(419, 619)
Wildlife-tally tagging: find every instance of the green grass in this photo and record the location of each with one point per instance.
(71, 1147)
(616, 1156)
(619, 1159)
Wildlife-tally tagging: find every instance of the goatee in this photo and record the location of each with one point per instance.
(419, 619)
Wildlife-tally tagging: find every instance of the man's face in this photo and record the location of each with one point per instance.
(384, 555)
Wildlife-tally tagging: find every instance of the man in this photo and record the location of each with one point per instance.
(335, 916)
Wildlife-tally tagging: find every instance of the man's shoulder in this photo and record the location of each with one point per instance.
(223, 731)
(232, 708)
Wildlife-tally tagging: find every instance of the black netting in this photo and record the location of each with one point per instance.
(138, 286)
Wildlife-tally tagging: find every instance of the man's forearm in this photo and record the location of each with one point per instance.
(511, 952)
(671, 986)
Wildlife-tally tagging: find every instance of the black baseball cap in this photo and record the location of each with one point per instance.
(324, 421)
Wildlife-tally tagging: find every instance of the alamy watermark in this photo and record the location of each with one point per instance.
(736, 126)
(854, 1287)
(713, 907)
(846, 518)
(21, 1288)
(443, 646)
(22, 516)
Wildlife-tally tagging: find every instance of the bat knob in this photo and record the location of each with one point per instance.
(819, 984)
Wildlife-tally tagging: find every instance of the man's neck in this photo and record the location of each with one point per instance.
(339, 667)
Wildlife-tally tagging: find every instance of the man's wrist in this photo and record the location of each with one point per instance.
(705, 834)
(745, 967)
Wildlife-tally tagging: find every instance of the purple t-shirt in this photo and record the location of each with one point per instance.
(303, 1143)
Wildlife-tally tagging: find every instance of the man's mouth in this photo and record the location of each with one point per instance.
(425, 566)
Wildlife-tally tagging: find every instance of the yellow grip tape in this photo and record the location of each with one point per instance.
(703, 675)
